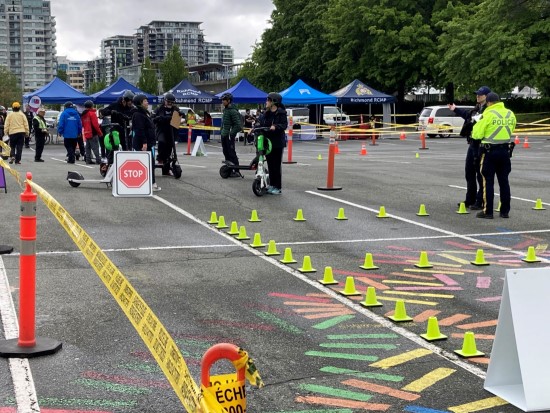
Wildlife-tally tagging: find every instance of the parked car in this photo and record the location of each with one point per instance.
(440, 120)
(332, 115)
(51, 117)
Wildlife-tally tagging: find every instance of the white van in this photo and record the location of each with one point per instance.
(440, 120)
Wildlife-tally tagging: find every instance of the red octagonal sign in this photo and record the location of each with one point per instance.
(133, 174)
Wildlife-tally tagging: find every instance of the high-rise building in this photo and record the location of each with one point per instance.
(118, 51)
(75, 71)
(218, 53)
(27, 41)
(157, 38)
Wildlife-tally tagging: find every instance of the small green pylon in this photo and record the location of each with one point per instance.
(469, 348)
(319, 157)
(433, 332)
(306, 265)
(221, 223)
(299, 216)
(370, 299)
(462, 209)
(531, 255)
(257, 242)
(480, 258)
(423, 261)
(213, 218)
(287, 258)
(417, 155)
(234, 229)
(400, 314)
(422, 211)
(368, 264)
(349, 288)
(242, 234)
(254, 216)
(328, 277)
(538, 205)
(382, 213)
(341, 215)
(272, 248)
(498, 207)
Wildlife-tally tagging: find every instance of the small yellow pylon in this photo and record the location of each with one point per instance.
(382, 213)
(287, 258)
(368, 264)
(531, 255)
(254, 216)
(319, 157)
(417, 155)
(328, 277)
(306, 265)
(400, 313)
(423, 261)
(257, 243)
(498, 207)
(234, 229)
(349, 288)
(242, 234)
(480, 258)
(370, 299)
(469, 348)
(272, 248)
(538, 205)
(422, 211)
(299, 216)
(433, 332)
(213, 218)
(341, 215)
(221, 223)
(462, 209)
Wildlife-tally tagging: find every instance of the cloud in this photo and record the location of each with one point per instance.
(82, 25)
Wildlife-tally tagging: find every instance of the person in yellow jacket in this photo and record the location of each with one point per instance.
(494, 130)
(17, 128)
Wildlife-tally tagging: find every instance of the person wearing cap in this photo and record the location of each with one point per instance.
(494, 131)
(40, 133)
(474, 180)
(17, 128)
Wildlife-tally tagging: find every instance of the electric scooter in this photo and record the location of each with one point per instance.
(263, 147)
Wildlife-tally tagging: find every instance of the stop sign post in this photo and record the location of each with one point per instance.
(133, 174)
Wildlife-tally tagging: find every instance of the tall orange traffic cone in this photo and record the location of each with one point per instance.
(526, 143)
(363, 149)
(517, 141)
(402, 136)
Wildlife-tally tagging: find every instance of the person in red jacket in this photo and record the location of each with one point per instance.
(91, 132)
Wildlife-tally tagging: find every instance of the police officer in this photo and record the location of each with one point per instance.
(231, 125)
(165, 132)
(474, 180)
(494, 131)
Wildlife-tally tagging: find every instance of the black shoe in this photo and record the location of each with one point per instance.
(39, 160)
(482, 214)
(504, 215)
(18, 162)
(475, 207)
(27, 147)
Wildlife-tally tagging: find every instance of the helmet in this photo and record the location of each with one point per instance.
(227, 96)
(128, 95)
(169, 97)
(88, 104)
(138, 99)
(275, 98)
(68, 105)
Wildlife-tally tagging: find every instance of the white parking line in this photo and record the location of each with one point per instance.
(23, 383)
(496, 193)
(72, 164)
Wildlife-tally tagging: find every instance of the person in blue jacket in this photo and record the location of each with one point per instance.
(69, 127)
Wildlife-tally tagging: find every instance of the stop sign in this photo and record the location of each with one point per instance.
(133, 174)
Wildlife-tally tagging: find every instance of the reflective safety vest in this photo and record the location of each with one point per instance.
(191, 119)
(496, 125)
(41, 123)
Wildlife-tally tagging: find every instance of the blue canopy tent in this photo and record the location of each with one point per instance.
(185, 92)
(300, 93)
(116, 90)
(245, 92)
(57, 91)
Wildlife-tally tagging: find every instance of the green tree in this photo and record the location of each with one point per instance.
(173, 69)
(96, 87)
(148, 81)
(61, 74)
(10, 91)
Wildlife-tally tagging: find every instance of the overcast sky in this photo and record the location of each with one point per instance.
(82, 24)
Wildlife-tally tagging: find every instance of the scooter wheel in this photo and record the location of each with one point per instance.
(176, 170)
(225, 171)
(103, 168)
(257, 187)
(71, 176)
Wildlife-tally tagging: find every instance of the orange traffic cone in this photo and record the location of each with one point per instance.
(402, 136)
(363, 149)
(336, 149)
(526, 143)
(516, 141)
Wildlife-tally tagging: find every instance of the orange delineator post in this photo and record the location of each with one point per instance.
(289, 142)
(189, 135)
(423, 140)
(330, 170)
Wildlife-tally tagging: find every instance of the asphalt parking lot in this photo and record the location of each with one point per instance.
(317, 350)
